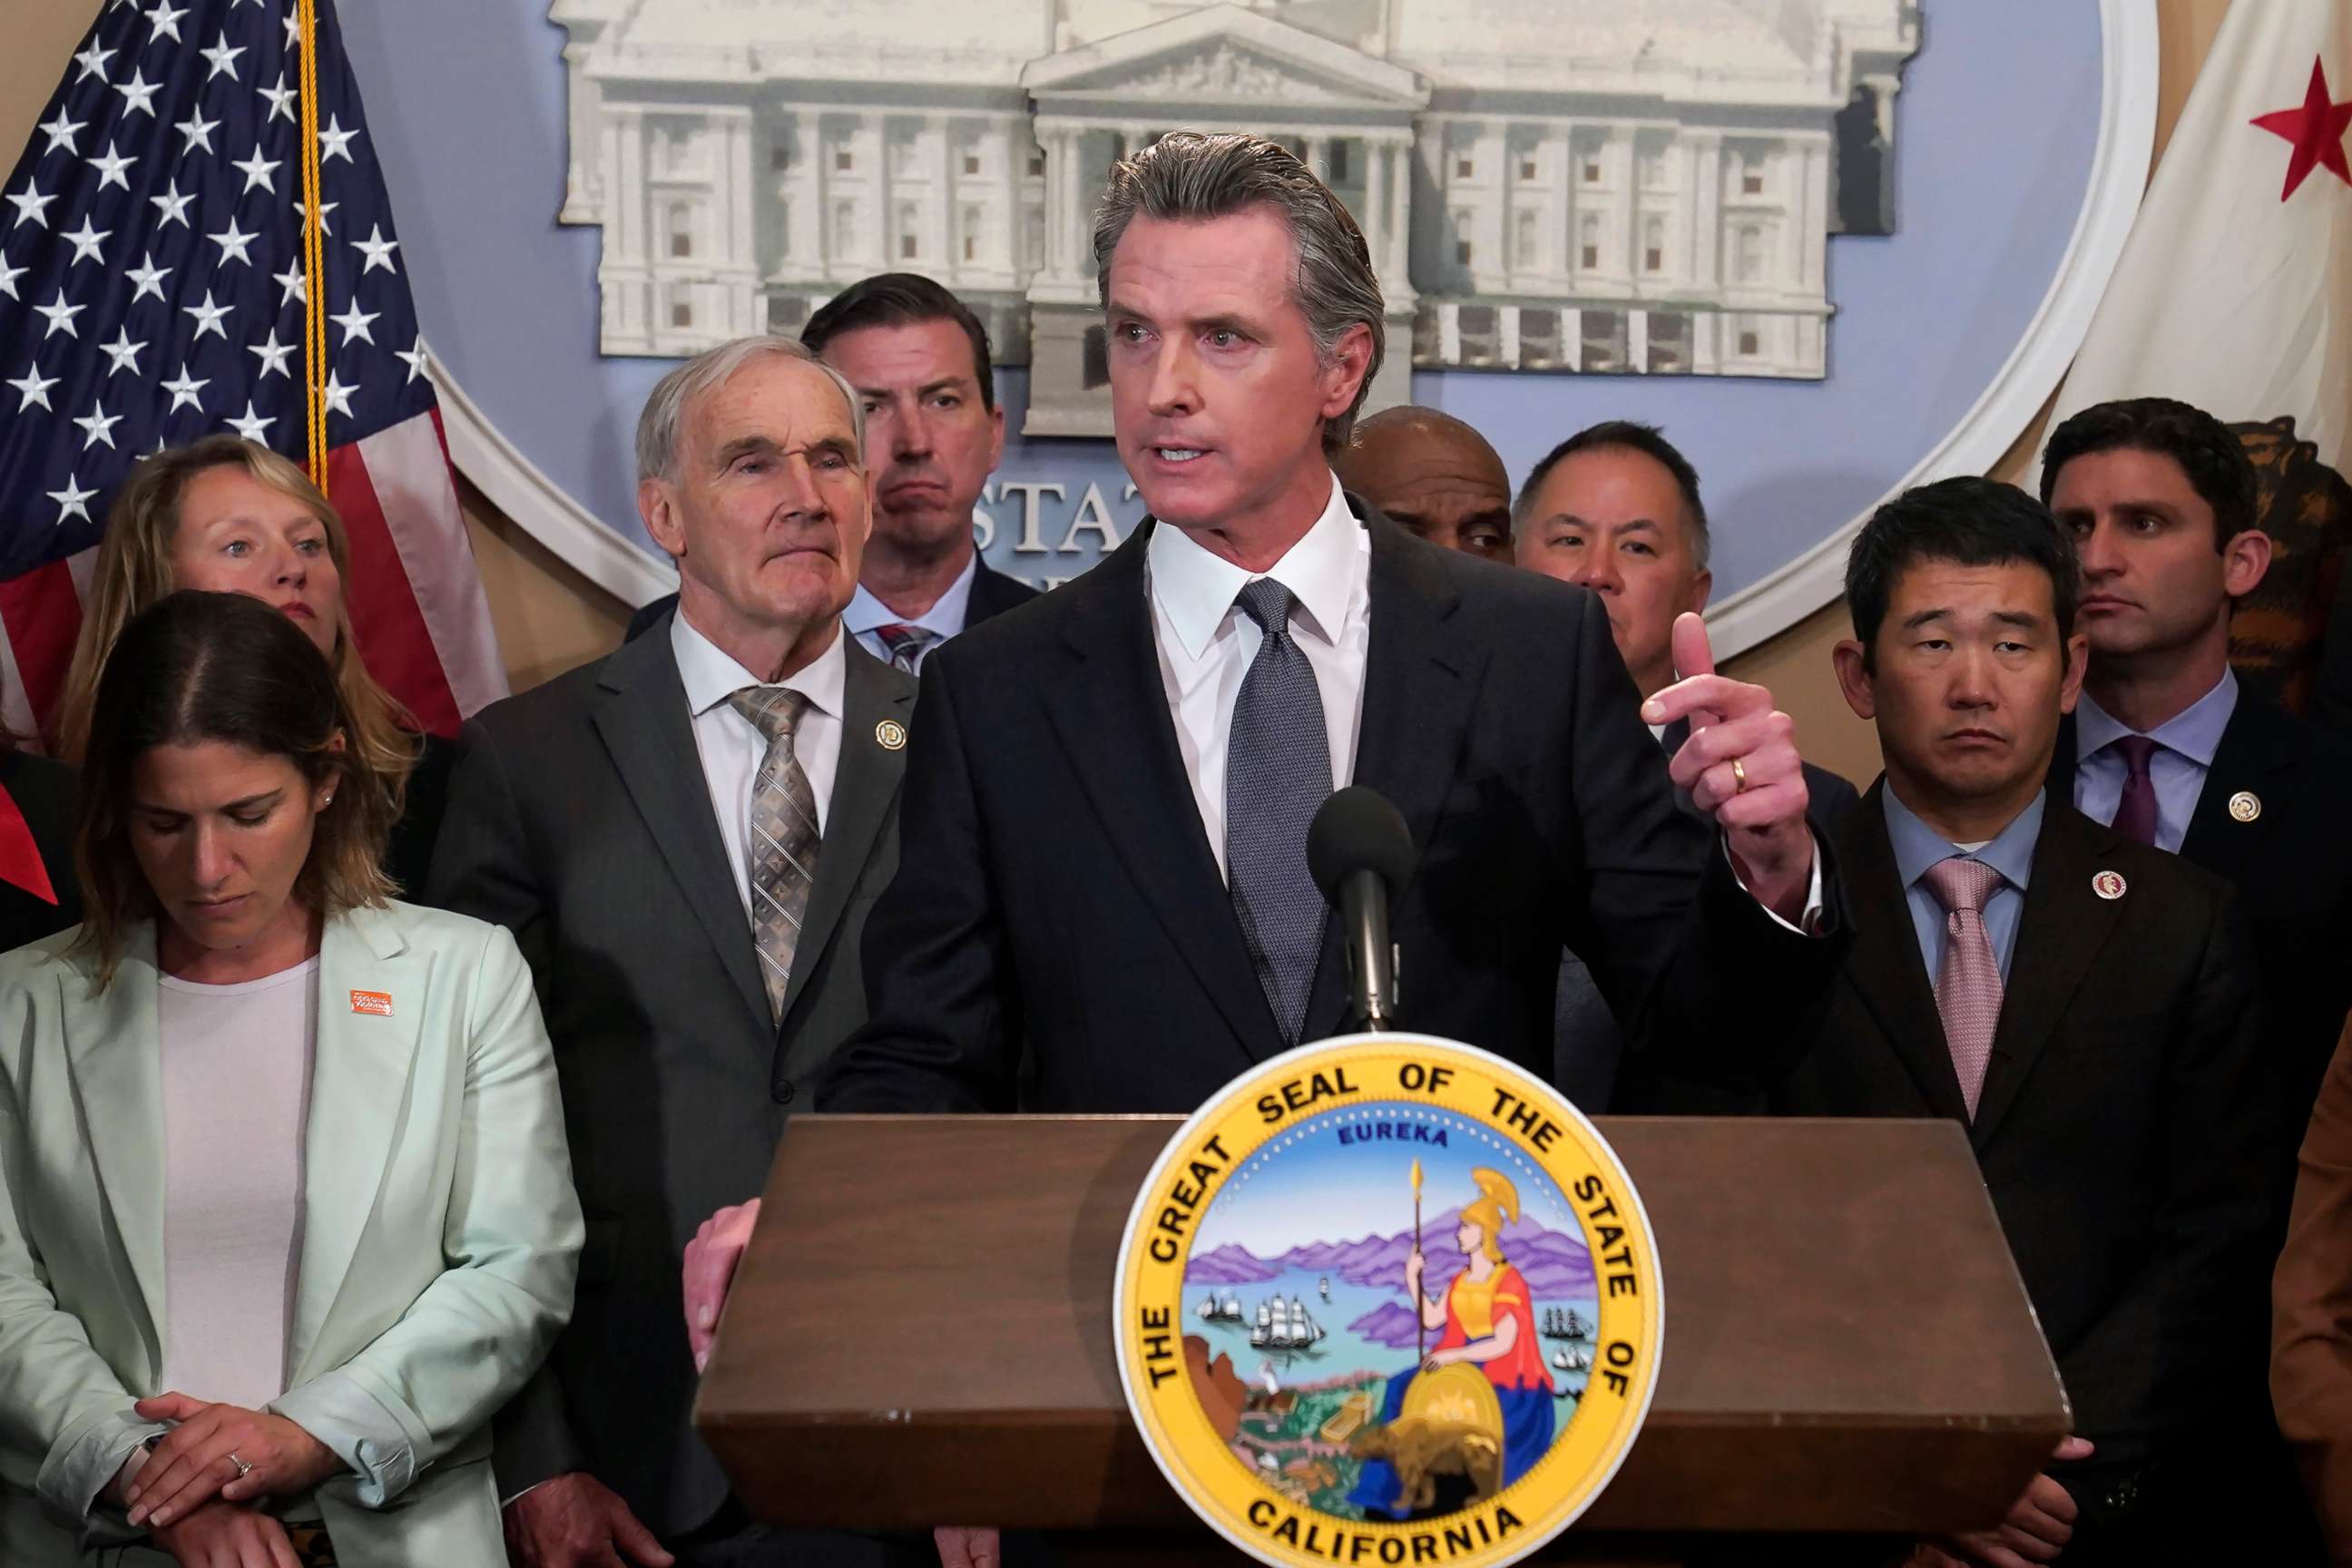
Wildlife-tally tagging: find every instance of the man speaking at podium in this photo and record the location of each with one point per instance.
(1103, 902)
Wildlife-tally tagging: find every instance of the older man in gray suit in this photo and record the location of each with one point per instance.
(685, 837)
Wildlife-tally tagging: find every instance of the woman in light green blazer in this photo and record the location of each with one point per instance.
(264, 1130)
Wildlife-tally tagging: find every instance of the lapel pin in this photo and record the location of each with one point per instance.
(2245, 805)
(2108, 884)
(377, 1003)
(890, 735)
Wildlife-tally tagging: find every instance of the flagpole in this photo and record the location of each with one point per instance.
(1420, 1318)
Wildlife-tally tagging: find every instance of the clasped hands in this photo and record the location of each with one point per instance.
(189, 1490)
(1741, 770)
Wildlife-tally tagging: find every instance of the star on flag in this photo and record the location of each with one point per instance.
(2316, 131)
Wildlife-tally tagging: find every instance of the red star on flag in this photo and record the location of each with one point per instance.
(2316, 131)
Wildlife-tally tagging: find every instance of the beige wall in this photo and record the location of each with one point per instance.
(550, 618)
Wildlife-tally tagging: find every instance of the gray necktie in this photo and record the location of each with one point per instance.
(1277, 775)
(780, 853)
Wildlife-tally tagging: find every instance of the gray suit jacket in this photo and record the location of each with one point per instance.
(579, 818)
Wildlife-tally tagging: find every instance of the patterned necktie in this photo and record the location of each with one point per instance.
(2135, 813)
(908, 644)
(1967, 983)
(1277, 775)
(780, 853)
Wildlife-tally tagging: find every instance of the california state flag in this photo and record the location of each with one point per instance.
(2234, 293)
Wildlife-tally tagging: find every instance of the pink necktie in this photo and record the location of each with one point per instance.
(2135, 813)
(1967, 983)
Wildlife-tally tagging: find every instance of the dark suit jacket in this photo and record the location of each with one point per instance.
(2120, 1125)
(408, 853)
(1059, 938)
(2293, 869)
(580, 819)
(1588, 1044)
(992, 593)
(42, 792)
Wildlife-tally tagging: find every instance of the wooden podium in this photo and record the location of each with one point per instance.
(921, 1334)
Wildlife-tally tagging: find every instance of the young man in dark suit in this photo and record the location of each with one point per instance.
(2169, 750)
(2084, 1007)
(2167, 746)
(685, 837)
(919, 358)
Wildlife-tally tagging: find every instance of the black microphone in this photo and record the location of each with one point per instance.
(1361, 854)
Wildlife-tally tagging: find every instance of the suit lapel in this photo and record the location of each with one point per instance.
(1110, 712)
(865, 784)
(2061, 934)
(359, 1087)
(1884, 967)
(1421, 678)
(2250, 753)
(650, 736)
(116, 1051)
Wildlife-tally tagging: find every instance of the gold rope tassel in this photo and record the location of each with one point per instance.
(314, 255)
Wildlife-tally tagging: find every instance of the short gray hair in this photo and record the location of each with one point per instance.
(1188, 175)
(665, 410)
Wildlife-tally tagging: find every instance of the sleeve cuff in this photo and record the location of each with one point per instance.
(1811, 924)
(83, 1463)
(358, 1430)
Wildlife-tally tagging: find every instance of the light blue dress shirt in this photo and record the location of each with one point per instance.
(2185, 745)
(866, 613)
(1918, 846)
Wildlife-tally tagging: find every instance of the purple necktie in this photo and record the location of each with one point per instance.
(1967, 983)
(2135, 814)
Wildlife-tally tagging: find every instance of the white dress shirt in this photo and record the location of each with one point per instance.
(732, 747)
(1206, 642)
(866, 613)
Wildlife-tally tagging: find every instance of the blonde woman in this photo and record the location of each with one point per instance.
(227, 516)
(286, 1211)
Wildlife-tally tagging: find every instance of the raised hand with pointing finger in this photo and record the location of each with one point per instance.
(1741, 770)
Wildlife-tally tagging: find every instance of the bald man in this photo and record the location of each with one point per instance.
(1434, 474)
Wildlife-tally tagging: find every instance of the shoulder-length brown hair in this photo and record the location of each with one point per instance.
(225, 668)
(134, 570)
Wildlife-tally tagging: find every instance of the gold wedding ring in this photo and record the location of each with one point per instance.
(1738, 776)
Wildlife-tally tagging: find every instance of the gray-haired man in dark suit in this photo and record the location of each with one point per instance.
(685, 837)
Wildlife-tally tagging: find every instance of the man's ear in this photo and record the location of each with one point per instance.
(657, 508)
(2245, 561)
(1854, 679)
(2078, 665)
(1350, 361)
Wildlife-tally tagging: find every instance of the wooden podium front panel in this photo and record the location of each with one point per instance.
(920, 1330)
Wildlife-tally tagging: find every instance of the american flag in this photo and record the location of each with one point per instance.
(153, 291)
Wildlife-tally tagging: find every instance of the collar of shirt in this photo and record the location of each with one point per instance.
(1194, 589)
(1918, 846)
(710, 675)
(946, 617)
(2194, 733)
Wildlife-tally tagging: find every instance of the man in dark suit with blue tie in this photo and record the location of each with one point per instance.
(1105, 904)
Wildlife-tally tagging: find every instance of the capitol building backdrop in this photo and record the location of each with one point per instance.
(1641, 186)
